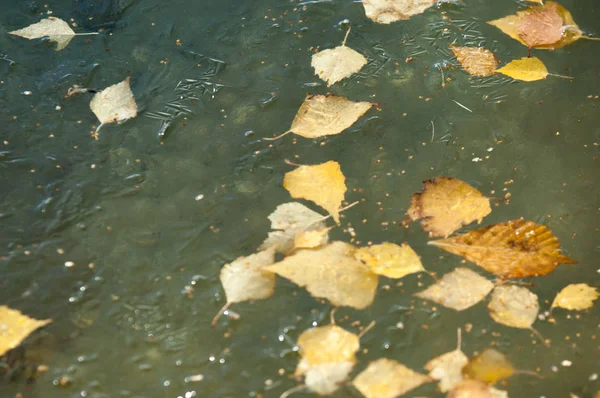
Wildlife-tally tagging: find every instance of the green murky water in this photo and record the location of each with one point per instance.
(131, 317)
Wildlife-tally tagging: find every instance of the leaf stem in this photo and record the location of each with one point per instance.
(365, 330)
(293, 390)
(277, 137)
(561, 76)
(346, 37)
(221, 311)
(87, 34)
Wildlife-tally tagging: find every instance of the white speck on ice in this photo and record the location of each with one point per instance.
(200, 197)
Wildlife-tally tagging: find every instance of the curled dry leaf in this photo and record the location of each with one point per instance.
(541, 27)
(475, 389)
(323, 184)
(446, 204)
(333, 65)
(386, 378)
(57, 31)
(526, 69)
(512, 249)
(391, 260)
(289, 222)
(388, 11)
(514, 306)
(328, 354)
(459, 289)
(447, 368)
(476, 61)
(322, 115)
(579, 296)
(114, 104)
(490, 366)
(244, 279)
(330, 272)
(15, 327)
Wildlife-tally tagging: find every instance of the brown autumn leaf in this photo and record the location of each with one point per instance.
(386, 378)
(322, 115)
(15, 327)
(331, 272)
(55, 29)
(511, 249)
(445, 204)
(244, 279)
(476, 61)
(475, 389)
(541, 27)
(490, 367)
(578, 296)
(569, 29)
(388, 11)
(333, 65)
(447, 368)
(289, 222)
(323, 184)
(391, 260)
(114, 104)
(459, 289)
(514, 306)
(327, 355)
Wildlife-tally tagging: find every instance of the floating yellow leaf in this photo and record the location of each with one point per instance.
(338, 63)
(475, 389)
(391, 260)
(15, 327)
(459, 289)
(446, 204)
(114, 104)
(322, 115)
(388, 11)
(526, 69)
(490, 366)
(385, 378)
(57, 31)
(243, 279)
(578, 297)
(323, 184)
(289, 221)
(330, 272)
(476, 60)
(514, 306)
(512, 249)
(447, 368)
(328, 354)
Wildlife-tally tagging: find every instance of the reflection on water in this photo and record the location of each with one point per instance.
(150, 212)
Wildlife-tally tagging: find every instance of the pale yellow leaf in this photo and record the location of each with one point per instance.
(578, 297)
(336, 64)
(289, 220)
(526, 69)
(327, 378)
(514, 306)
(391, 260)
(243, 279)
(476, 61)
(114, 104)
(490, 366)
(445, 204)
(459, 289)
(386, 378)
(330, 272)
(475, 389)
(15, 327)
(322, 115)
(388, 11)
(323, 184)
(311, 239)
(447, 369)
(55, 29)
(326, 344)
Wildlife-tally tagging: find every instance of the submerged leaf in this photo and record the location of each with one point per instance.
(512, 249)
(114, 104)
(476, 61)
(577, 297)
(391, 260)
(323, 184)
(446, 204)
(15, 327)
(514, 306)
(475, 389)
(541, 27)
(526, 69)
(459, 289)
(386, 378)
(330, 272)
(57, 31)
(333, 65)
(490, 366)
(388, 11)
(447, 368)
(327, 378)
